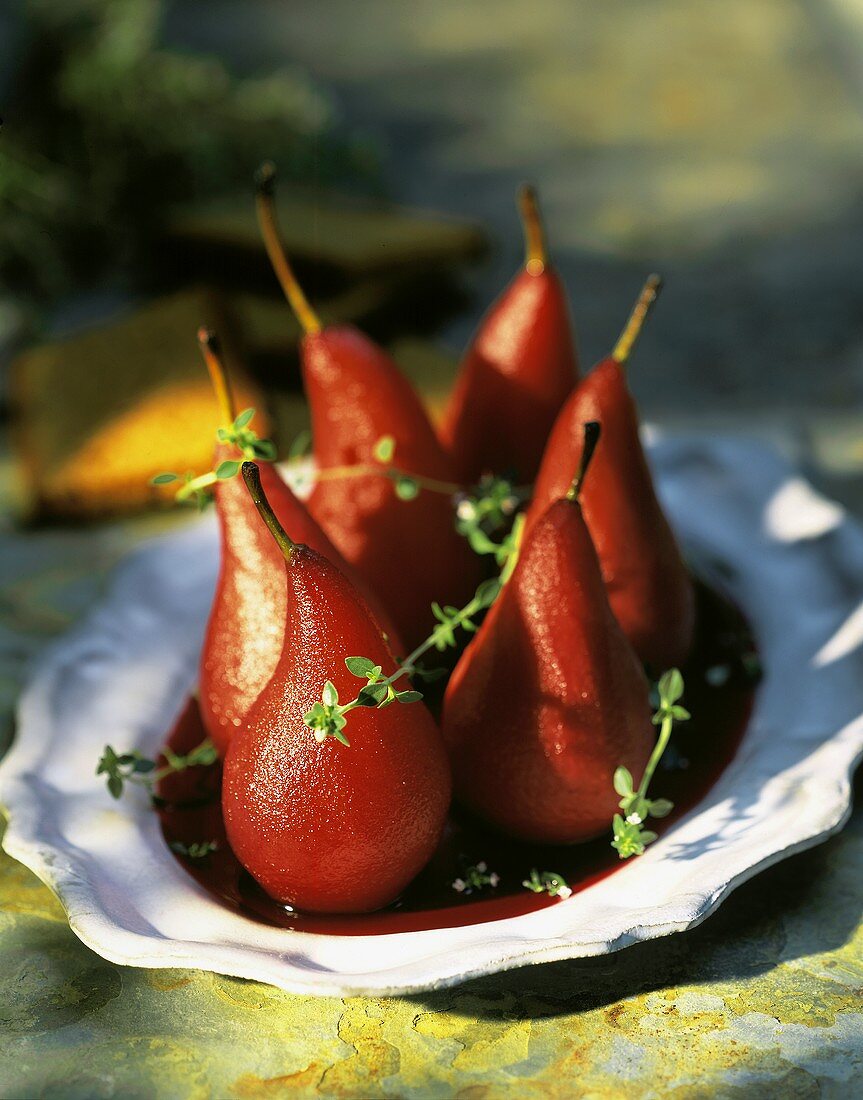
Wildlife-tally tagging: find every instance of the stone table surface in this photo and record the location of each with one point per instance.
(724, 145)
(763, 1000)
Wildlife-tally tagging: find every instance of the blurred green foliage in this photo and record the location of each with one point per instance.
(105, 129)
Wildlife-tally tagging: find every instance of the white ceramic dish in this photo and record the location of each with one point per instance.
(792, 560)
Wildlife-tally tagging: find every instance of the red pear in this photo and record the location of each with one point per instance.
(648, 585)
(407, 551)
(246, 626)
(517, 372)
(321, 825)
(549, 698)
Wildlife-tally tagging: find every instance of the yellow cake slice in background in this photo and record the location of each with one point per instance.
(97, 415)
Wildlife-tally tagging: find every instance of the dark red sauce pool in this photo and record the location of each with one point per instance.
(719, 692)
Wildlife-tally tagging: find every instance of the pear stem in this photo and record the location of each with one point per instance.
(643, 306)
(265, 179)
(252, 478)
(591, 438)
(212, 353)
(535, 244)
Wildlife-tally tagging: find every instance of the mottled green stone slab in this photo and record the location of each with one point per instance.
(765, 999)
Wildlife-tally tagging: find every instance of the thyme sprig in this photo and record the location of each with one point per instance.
(198, 849)
(133, 767)
(476, 877)
(328, 717)
(250, 445)
(548, 882)
(407, 484)
(301, 446)
(486, 511)
(480, 513)
(630, 836)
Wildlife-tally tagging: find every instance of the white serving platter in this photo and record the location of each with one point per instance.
(792, 560)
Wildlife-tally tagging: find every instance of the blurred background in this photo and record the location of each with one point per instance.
(721, 145)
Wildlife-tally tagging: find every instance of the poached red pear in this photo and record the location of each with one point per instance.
(246, 625)
(325, 826)
(649, 586)
(549, 698)
(517, 372)
(407, 551)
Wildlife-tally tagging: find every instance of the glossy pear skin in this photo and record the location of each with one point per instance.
(408, 552)
(549, 698)
(648, 585)
(325, 827)
(246, 626)
(518, 371)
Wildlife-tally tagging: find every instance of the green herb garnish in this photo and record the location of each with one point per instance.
(132, 767)
(630, 836)
(198, 849)
(328, 717)
(251, 446)
(486, 512)
(407, 485)
(476, 877)
(548, 882)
